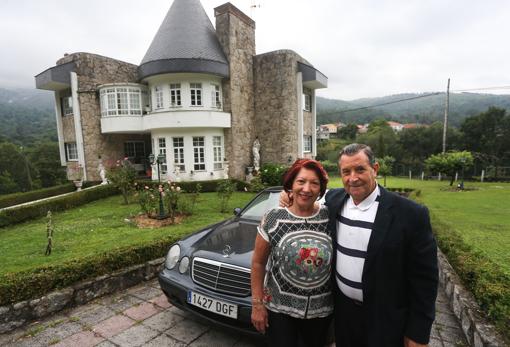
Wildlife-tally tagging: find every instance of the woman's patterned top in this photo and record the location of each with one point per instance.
(298, 272)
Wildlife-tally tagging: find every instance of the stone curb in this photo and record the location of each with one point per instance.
(478, 332)
(16, 315)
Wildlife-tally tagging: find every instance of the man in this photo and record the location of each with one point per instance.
(385, 268)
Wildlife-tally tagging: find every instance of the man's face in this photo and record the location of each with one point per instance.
(358, 176)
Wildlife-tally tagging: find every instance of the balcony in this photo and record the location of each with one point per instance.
(164, 120)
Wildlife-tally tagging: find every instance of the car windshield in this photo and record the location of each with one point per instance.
(261, 205)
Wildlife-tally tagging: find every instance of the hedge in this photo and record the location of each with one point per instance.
(38, 209)
(25, 285)
(21, 198)
(191, 186)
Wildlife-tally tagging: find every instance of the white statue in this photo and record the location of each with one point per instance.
(102, 172)
(256, 154)
(177, 173)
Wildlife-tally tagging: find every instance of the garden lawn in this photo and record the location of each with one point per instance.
(96, 228)
(480, 214)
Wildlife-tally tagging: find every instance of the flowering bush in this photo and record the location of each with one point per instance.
(122, 176)
(148, 200)
(171, 196)
(272, 174)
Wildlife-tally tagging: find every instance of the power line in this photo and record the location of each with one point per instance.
(484, 88)
(382, 104)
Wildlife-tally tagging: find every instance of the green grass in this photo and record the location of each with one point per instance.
(97, 227)
(480, 214)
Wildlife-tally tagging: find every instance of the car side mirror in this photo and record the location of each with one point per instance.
(237, 211)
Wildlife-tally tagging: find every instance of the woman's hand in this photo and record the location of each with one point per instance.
(259, 318)
(284, 199)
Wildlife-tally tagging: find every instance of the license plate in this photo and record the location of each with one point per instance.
(212, 305)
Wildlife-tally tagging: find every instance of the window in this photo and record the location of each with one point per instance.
(175, 94)
(162, 150)
(67, 106)
(121, 101)
(179, 153)
(217, 153)
(196, 94)
(307, 143)
(135, 151)
(158, 93)
(216, 96)
(307, 102)
(198, 153)
(71, 151)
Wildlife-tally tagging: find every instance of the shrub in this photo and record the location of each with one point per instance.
(172, 196)
(191, 186)
(38, 209)
(272, 174)
(122, 176)
(225, 190)
(330, 167)
(21, 198)
(255, 185)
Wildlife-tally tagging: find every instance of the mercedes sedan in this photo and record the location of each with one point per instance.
(208, 272)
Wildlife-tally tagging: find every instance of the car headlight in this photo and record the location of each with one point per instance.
(184, 265)
(172, 257)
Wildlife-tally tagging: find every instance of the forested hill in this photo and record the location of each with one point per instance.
(27, 116)
(419, 110)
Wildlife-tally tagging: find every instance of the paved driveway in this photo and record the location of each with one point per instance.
(141, 316)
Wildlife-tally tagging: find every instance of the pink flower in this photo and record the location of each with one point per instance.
(160, 189)
(146, 187)
(178, 189)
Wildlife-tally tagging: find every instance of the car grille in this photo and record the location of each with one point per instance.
(221, 277)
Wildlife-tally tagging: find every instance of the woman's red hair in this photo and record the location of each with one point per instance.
(309, 164)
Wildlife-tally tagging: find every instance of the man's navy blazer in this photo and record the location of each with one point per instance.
(400, 275)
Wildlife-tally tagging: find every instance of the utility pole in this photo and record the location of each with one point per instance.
(446, 108)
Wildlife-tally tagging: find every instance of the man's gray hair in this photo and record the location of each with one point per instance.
(355, 148)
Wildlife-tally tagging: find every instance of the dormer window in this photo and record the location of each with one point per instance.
(196, 94)
(175, 94)
(215, 96)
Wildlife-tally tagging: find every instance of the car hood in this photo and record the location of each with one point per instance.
(229, 242)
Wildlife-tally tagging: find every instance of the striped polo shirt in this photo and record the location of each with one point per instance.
(354, 227)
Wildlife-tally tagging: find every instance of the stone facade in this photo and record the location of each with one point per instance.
(236, 34)
(94, 70)
(277, 105)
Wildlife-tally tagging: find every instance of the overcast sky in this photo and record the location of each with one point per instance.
(366, 48)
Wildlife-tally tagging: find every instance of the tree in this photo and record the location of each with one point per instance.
(348, 132)
(14, 162)
(386, 166)
(488, 134)
(381, 138)
(45, 159)
(449, 163)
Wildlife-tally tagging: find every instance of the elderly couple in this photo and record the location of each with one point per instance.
(366, 257)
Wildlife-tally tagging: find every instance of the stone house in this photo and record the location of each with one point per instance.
(200, 96)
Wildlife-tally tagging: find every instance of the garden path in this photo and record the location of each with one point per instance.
(141, 316)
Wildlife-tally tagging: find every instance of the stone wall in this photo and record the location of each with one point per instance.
(276, 105)
(236, 34)
(94, 70)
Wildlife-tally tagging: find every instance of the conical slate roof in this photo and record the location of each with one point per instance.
(185, 42)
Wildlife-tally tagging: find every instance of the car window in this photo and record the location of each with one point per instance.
(260, 205)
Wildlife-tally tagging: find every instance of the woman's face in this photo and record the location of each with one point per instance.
(306, 188)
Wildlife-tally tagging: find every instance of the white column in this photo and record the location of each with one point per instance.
(314, 124)
(60, 129)
(299, 90)
(77, 124)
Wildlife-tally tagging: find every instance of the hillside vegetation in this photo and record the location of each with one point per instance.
(426, 110)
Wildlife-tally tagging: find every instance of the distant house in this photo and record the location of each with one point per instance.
(395, 126)
(322, 133)
(414, 125)
(331, 128)
(200, 97)
(362, 129)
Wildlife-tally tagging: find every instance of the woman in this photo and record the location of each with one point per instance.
(293, 300)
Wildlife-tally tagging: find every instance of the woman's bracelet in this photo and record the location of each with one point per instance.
(255, 301)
